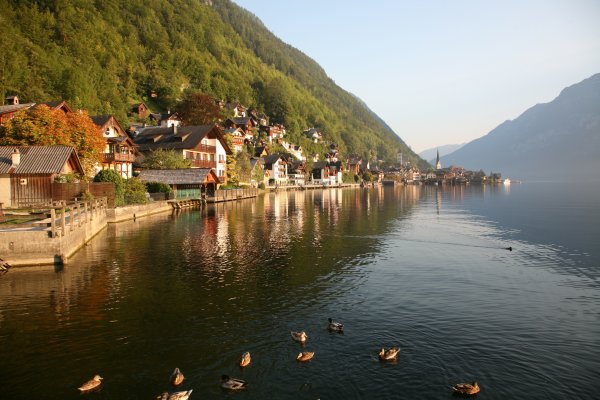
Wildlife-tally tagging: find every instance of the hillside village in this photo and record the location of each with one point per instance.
(242, 149)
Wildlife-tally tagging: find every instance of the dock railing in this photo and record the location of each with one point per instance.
(68, 216)
(232, 194)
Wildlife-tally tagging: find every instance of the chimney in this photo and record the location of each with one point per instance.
(174, 128)
(16, 158)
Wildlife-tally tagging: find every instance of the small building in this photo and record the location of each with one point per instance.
(314, 134)
(120, 151)
(189, 183)
(140, 110)
(166, 120)
(27, 172)
(237, 138)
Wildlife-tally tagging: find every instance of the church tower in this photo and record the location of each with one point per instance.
(438, 164)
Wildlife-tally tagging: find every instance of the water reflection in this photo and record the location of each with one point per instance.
(419, 267)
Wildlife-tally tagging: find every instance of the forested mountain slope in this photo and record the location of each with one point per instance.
(106, 55)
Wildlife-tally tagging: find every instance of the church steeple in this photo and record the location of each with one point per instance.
(438, 164)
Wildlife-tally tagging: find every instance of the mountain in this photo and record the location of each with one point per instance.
(430, 155)
(557, 140)
(107, 55)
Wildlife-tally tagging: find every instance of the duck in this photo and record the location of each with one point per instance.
(467, 389)
(335, 326)
(305, 356)
(299, 336)
(245, 359)
(177, 377)
(92, 384)
(232, 383)
(389, 355)
(175, 395)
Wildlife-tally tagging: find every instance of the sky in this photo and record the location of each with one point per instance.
(443, 72)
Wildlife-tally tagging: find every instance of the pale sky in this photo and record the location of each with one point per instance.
(446, 71)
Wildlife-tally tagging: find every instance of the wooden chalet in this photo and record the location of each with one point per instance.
(191, 183)
(27, 172)
(276, 169)
(204, 145)
(237, 138)
(120, 151)
(140, 110)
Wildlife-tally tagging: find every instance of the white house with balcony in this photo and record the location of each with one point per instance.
(205, 145)
(120, 151)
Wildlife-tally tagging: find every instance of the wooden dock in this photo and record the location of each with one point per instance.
(185, 203)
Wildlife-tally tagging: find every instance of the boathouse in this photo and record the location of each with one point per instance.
(192, 183)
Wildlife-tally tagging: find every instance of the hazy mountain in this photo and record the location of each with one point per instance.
(556, 140)
(430, 155)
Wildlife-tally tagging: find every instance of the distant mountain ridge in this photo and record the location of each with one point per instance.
(430, 155)
(555, 140)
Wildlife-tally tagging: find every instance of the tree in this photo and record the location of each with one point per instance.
(243, 165)
(43, 126)
(232, 168)
(165, 159)
(109, 175)
(134, 191)
(199, 109)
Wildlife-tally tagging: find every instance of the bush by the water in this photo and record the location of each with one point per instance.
(158, 187)
(135, 191)
(109, 175)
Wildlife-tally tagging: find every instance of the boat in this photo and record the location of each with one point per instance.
(506, 181)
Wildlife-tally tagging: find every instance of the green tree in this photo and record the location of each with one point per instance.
(232, 167)
(243, 165)
(109, 175)
(165, 159)
(134, 191)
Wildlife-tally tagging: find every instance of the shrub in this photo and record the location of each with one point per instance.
(135, 191)
(109, 175)
(158, 187)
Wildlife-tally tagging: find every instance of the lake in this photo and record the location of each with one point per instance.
(422, 268)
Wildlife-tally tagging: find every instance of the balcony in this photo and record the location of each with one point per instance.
(108, 158)
(203, 163)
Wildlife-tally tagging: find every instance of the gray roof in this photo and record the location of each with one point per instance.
(182, 137)
(14, 107)
(100, 120)
(175, 176)
(36, 159)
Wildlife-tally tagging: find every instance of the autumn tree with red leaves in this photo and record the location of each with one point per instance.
(43, 126)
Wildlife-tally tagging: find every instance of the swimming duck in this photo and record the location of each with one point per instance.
(467, 389)
(175, 396)
(389, 355)
(232, 383)
(299, 336)
(245, 360)
(92, 384)
(335, 326)
(176, 377)
(305, 356)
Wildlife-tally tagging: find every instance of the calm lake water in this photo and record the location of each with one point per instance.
(422, 268)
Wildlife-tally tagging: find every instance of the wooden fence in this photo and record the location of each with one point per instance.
(232, 194)
(69, 191)
(63, 220)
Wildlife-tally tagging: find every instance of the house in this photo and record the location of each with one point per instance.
(140, 110)
(238, 109)
(296, 172)
(166, 120)
(273, 132)
(327, 173)
(186, 183)
(276, 170)
(314, 134)
(261, 151)
(246, 124)
(204, 145)
(7, 112)
(27, 172)
(120, 151)
(237, 138)
(353, 164)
